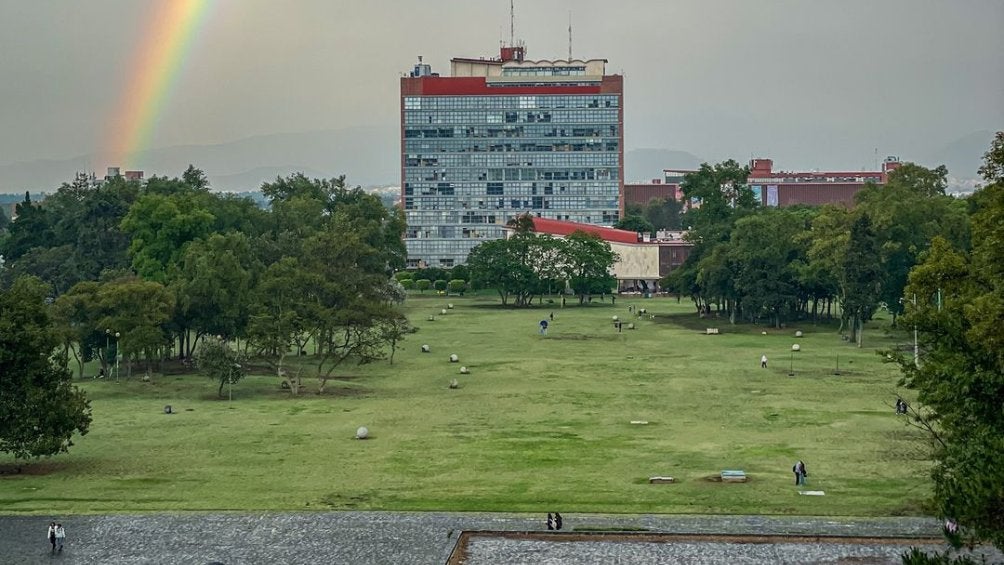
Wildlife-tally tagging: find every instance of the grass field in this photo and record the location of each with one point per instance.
(540, 424)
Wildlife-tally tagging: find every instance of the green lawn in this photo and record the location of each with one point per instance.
(541, 423)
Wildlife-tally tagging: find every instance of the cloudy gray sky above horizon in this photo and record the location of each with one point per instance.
(810, 83)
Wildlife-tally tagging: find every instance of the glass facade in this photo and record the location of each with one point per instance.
(472, 162)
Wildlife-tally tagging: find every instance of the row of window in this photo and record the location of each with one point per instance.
(482, 160)
(543, 71)
(524, 102)
(525, 131)
(605, 115)
(610, 172)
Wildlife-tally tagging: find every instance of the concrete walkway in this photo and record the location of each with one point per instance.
(376, 537)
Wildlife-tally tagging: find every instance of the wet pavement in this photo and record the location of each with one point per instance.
(429, 537)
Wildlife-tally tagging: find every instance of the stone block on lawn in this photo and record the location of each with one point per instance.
(443, 311)
(425, 349)
(454, 358)
(464, 371)
(796, 347)
(362, 433)
(733, 476)
(661, 480)
(798, 333)
(454, 384)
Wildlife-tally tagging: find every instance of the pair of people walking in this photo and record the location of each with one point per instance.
(57, 536)
(799, 469)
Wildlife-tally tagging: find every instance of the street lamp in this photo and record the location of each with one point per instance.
(117, 336)
(108, 334)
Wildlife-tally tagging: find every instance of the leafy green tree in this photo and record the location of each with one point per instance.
(281, 315)
(33, 228)
(212, 285)
(408, 284)
(635, 223)
(404, 275)
(664, 213)
(137, 310)
(161, 226)
(460, 272)
(959, 311)
(77, 316)
(40, 410)
(504, 264)
(439, 285)
(860, 276)
(766, 254)
(220, 362)
(589, 261)
(423, 285)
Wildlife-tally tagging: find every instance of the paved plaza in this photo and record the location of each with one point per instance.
(429, 538)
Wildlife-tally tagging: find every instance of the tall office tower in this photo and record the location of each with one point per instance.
(505, 136)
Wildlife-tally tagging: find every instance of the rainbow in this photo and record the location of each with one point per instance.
(153, 74)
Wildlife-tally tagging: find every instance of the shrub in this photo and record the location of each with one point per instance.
(402, 276)
(408, 284)
(440, 285)
(423, 284)
(457, 285)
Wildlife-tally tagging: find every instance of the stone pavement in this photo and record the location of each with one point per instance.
(393, 537)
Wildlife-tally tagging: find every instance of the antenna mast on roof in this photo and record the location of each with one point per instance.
(569, 35)
(512, 24)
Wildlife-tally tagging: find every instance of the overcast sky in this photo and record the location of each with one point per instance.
(810, 83)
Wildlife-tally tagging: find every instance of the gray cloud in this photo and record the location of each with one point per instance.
(810, 83)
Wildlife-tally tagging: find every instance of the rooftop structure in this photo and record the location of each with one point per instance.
(789, 188)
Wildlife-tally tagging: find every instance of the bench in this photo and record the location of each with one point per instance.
(711, 331)
(733, 476)
(661, 480)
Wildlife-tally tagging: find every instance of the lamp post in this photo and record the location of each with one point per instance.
(108, 334)
(117, 336)
(791, 365)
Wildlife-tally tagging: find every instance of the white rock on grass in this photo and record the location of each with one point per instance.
(443, 311)
(763, 333)
(362, 433)
(615, 318)
(454, 384)
(425, 349)
(450, 306)
(454, 358)
(464, 371)
(798, 333)
(630, 326)
(795, 347)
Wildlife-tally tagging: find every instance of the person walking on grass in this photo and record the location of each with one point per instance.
(51, 535)
(763, 361)
(60, 538)
(800, 474)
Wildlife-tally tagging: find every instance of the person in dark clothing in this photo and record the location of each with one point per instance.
(51, 534)
(800, 474)
(550, 521)
(552, 316)
(557, 521)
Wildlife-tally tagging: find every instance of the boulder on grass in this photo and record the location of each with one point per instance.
(443, 311)
(454, 384)
(464, 371)
(450, 306)
(454, 358)
(425, 349)
(630, 326)
(798, 333)
(362, 433)
(795, 347)
(615, 318)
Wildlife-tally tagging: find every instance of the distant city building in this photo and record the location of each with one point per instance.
(785, 188)
(641, 260)
(505, 136)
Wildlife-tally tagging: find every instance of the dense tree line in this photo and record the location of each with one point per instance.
(146, 271)
(528, 265)
(751, 263)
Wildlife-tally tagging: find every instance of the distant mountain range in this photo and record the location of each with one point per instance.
(368, 156)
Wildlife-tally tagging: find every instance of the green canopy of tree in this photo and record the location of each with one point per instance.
(40, 409)
(959, 312)
(220, 362)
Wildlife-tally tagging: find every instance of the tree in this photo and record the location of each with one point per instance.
(635, 223)
(588, 261)
(959, 312)
(457, 286)
(161, 226)
(220, 362)
(440, 285)
(40, 409)
(137, 310)
(860, 276)
(32, 229)
(77, 316)
(423, 285)
(664, 213)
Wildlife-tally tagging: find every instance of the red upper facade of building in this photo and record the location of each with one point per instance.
(563, 228)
